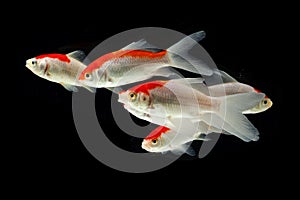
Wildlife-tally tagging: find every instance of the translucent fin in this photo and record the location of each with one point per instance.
(202, 137)
(195, 83)
(115, 90)
(78, 55)
(219, 123)
(180, 59)
(141, 44)
(164, 72)
(91, 89)
(69, 87)
(225, 77)
(184, 148)
(188, 81)
(231, 110)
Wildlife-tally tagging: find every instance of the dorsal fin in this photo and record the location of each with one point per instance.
(195, 83)
(78, 55)
(141, 44)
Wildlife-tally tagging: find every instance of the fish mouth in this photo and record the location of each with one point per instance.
(146, 146)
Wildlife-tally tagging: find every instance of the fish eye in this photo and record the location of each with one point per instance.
(154, 141)
(132, 96)
(87, 75)
(33, 62)
(265, 102)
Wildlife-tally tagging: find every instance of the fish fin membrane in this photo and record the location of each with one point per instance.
(91, 89)
(231, 111)
(184, 148)
(78, 55)
(180, 58)
(225, 76)
(115, 90)
(141, 44)
(222, 126)
(71, 88)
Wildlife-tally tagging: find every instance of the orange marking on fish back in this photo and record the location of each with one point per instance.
(99, 62)
(157, 132)
(146, 87)
(143, 54)
(60, 57)
(96, 64)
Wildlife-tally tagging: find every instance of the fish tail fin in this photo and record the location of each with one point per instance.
(178, 54)
(231, 110)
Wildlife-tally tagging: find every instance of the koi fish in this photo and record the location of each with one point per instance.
(60, 68)
(177, 99)
(236, 88)
(140, 61)
(232, 86)
(163, 139)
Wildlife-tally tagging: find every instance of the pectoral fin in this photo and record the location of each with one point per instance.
(92, 90)
(69, 87)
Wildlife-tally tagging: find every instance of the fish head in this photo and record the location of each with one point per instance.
(37, 66)
(139, 97)
(264, 104)
(157, 140)
(135, 100)
(88, 77)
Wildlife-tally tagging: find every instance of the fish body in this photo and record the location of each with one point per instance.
(237, 88)
(136, 62)
(163, 139)
(59, 68)
(232, 86)
(175, 99)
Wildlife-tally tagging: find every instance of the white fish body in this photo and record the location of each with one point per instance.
(136, 62)
(59, 68)
(172, 99)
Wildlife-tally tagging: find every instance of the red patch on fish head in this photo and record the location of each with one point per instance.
(146, 87)
(259, 91)
(61, 57)
(82, 75)
(156, 133)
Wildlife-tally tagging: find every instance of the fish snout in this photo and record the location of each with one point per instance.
(146, 145)
(28, 63)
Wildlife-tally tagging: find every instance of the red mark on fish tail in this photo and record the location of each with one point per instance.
(60, 57)
(157, 132)
(146, 87)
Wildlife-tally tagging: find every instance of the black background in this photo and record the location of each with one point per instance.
(49, 149)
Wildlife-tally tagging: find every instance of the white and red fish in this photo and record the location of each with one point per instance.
(59, 68)
(163, 139)
(177, 99)
(236, 88)
(232, 86)
(140, 61)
